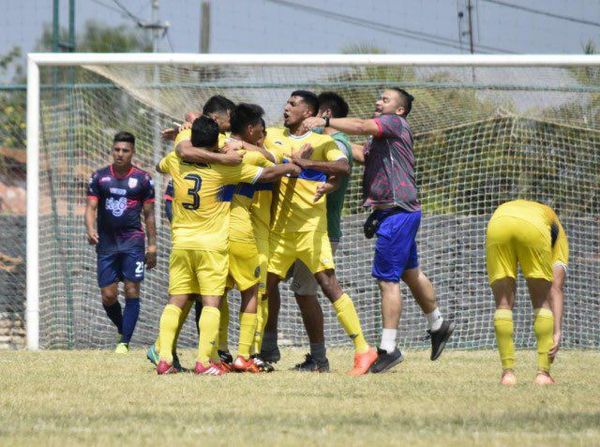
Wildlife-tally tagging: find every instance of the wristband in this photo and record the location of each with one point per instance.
(326, 121)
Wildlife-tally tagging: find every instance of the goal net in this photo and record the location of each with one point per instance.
(484, 134)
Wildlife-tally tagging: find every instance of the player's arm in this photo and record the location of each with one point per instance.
(351, 126)
(332, 184)
(91, 208)
(337, 167)
(238, 145)
(358, 152)
(150, 222)
(272, 173)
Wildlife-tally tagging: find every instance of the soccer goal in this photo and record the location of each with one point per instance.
(487, 129)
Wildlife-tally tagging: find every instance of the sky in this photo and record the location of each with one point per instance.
(314, 26)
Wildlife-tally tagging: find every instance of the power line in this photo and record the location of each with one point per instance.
(129, 14)
(543, 13)
(403, 32)
(112, 8)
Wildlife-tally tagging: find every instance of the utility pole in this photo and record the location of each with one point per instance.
(205, 27)
(470, 18)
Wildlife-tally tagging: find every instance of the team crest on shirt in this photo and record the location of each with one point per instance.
(116, 207)
(105, 179)
(132, 182)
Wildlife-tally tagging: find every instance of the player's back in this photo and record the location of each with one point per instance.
(295, 208)
(201, 202)
(241, 222)
(528, 210)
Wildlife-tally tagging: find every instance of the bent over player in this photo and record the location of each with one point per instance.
(117, 195)
(528, 234)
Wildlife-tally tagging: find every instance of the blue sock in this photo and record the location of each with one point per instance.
(130, 317)
(114, 313)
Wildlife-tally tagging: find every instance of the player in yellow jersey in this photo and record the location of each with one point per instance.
(247, 128)
(299, 227)
(200, 235)
(528, 234)
(219, 109)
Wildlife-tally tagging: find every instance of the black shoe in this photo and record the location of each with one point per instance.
(440, 337)
(225, 357)
(386, 360)
(310, 364)
(261, 364)
(272, 356)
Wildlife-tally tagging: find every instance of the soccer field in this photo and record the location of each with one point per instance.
(99, 398)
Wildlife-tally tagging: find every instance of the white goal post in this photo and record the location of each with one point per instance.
(36, 61)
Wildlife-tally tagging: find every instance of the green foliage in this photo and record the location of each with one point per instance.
(99, 38)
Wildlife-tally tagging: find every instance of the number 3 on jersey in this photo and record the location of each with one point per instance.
(193, 191)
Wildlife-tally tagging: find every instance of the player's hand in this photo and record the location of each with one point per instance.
(169, 134)
(554, 349)
(190, 117)
(92, 237)
(303, 153)
(232, 145)
(293, 169)
(313, 122)
(232, 157)
(185, 125)
(322, 189)
(150, 258)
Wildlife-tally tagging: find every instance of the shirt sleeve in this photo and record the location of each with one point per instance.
(331, 152)
(242, 173)
(166, 163)
(184, 135)
(148, 193)
(93, 190)
(345, 149)
(389, 126)
(255, 158)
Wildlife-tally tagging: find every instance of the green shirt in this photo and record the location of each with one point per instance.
(335, 200)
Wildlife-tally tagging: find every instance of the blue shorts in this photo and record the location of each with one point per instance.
(396, 247)
(120, 266)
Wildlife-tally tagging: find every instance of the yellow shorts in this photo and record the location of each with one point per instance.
(312, 248)
(244, 265)
(513, 240)
(561, 249)
(197, 271)
(263, 259)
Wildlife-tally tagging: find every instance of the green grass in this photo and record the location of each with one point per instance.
(98, 398)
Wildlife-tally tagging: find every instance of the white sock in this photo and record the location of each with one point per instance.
(388, 340)
(434, 320)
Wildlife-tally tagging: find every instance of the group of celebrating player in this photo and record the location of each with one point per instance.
(252, 206)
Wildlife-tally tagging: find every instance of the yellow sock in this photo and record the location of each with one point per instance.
(209, 331)
(503, 326)
(247, 332)
(347, 316)
(184, 314)
(168, 328)
(262, 314)
(224, 326)
(543, 327)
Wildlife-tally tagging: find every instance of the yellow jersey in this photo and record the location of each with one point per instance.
(202, 199)
(295, 209)
(241, 225)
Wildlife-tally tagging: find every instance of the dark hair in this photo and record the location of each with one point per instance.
(331, 100)
(218, 104)
(245, 114)
(405, 98)
(125, 137)
(309, 98)
(205, 132)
